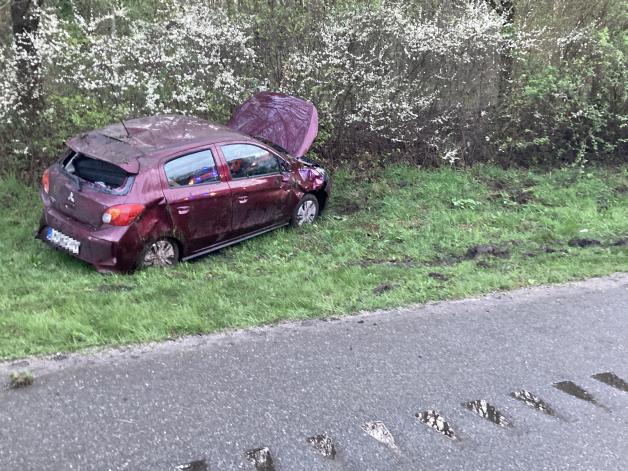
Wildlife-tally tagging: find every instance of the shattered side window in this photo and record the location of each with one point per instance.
(192, 169)
(247, 160)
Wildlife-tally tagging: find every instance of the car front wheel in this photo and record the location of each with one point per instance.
(306, 211)
(161, 253)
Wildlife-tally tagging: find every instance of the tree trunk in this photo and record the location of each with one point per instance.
(25, 21)
(506, 8)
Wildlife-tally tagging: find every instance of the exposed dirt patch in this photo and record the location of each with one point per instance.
(495, 184)
(621, 189)
(476, 252)
(582, 243)
(383, 288)
(448, 260)
(405, 262)
(488, 249)
(544, 250)
(523, 197)
(346, 208)
(519, 192)
(371, 228)
(484, 264)
(438, 276)
(481, 253)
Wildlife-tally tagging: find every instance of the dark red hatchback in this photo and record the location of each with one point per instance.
(153, 191)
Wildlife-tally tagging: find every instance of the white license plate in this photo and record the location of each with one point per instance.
(60, 239)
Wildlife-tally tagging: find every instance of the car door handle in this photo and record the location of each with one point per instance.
(242, 199)
(183, 209)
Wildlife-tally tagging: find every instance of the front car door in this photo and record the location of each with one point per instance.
(259, 193)
(198, 200)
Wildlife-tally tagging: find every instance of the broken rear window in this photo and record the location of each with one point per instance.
(105, 176)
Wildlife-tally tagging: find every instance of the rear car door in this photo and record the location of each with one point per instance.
(199, 202)
(258, 190)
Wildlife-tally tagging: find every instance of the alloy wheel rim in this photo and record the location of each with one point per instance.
(160, 254)
(306, 213)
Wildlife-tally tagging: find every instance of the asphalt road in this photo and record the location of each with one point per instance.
(211, 399)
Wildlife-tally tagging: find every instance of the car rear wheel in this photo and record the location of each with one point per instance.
(306, 211)
(161, 253)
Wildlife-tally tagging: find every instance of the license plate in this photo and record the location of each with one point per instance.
(59, 239)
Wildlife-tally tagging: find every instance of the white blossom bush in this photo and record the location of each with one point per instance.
(402, 76)
(189, 62)
(189, 59)
(9, 97)
(385, 76)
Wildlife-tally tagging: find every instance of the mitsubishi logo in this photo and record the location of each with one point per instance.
(71, 198)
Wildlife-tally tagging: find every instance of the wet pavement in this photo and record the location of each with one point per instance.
(489, 412)
(612, 380)
(574, 390)
(533, 401)
(524, 380)
(433, 419)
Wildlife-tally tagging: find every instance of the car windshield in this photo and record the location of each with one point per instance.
(283, 152)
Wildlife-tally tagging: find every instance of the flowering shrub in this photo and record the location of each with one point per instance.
(405, 78)
(190, 59)
(189, 63)
(385, 76)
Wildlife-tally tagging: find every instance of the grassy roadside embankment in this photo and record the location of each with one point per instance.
(406, 236)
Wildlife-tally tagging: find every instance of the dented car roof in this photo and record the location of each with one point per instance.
(285, 121)
(124, 144)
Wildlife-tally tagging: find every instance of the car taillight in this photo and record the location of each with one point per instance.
(122, 214)
(45, 180)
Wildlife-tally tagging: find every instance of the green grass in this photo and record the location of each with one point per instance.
(388, 231)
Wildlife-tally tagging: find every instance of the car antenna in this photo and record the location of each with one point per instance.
(125, 128)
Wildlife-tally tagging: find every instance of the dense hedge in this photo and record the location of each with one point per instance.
(431, 82)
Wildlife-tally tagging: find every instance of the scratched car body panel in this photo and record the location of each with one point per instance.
(155, 190)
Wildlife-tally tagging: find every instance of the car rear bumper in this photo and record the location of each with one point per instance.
(100, 248)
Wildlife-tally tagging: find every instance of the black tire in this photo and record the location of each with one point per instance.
(306, 211)
(165, 254)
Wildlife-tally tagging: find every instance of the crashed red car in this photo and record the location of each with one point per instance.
(156, 190)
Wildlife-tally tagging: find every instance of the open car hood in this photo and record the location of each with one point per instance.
(286, 121)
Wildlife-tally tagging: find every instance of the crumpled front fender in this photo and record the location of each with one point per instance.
(309, 179)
